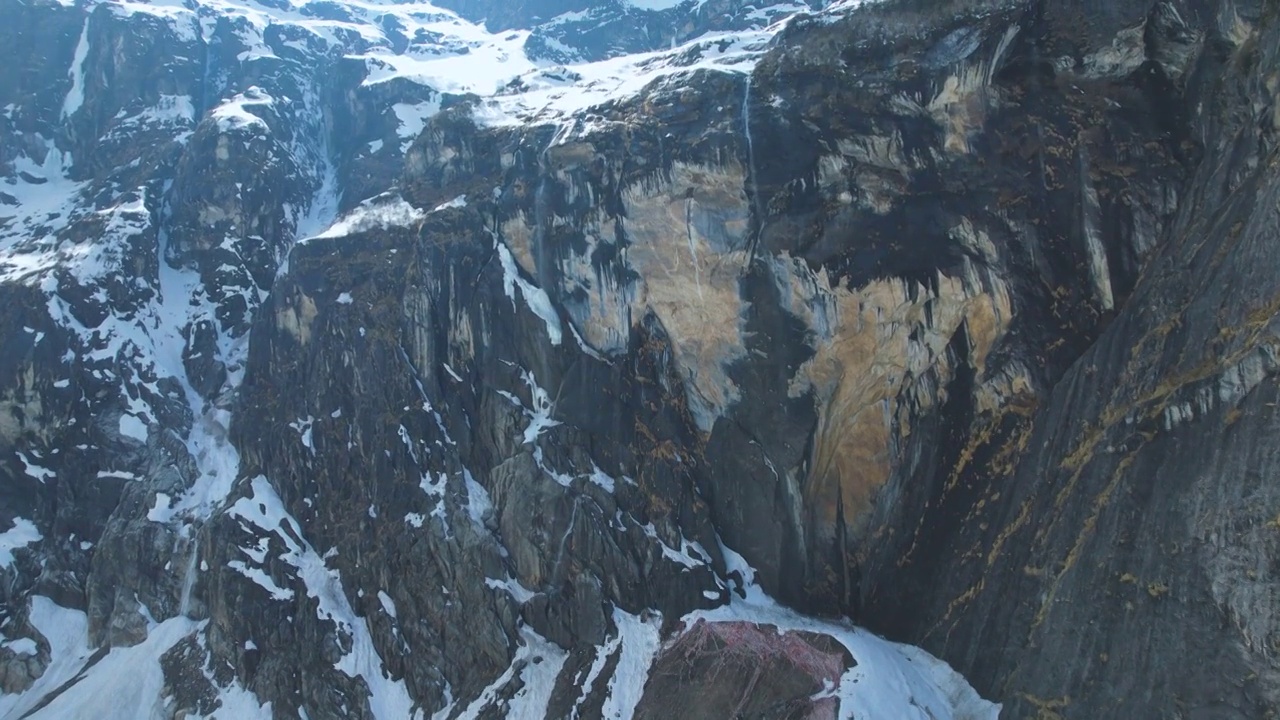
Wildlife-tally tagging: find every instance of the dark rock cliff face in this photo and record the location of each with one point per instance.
(1113, 557)
(321, 387)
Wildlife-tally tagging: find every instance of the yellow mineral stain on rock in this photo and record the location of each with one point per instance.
(880, 171)
(211, 214)
(222, 152)
(571, 155)
(959, 108)
(296, 318)
(462, 346)
(518, 234)
(688, 243)
(416, 309)
(687, 234)
(21, 407)
(1123, 56)
(960, 104)
(874, 345)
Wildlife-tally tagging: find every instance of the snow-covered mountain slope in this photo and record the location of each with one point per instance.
(570, 359)
(193, 166)
(154, 184)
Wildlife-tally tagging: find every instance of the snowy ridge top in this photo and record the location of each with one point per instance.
(516, 79)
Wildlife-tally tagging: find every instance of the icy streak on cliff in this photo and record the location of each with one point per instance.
(75, 96)
(189, 579)
(640, 642)
(537, 300)
(603, 653)
(389, 699)
(536, 665)
(752, 180)
(1091, 228)
(217, 460)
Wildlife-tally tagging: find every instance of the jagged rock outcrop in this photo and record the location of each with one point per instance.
(359, 363)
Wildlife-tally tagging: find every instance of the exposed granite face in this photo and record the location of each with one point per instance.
(955, 320)
(407, 360)
(1112, 557)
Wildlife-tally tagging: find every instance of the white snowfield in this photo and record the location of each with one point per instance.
(23, 533)
(889, 681)
(125, 683)
(445, 53)
(461, 57)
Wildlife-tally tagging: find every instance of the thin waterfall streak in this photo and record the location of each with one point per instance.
(693, 252)
(564, 540)
(542, 207)
(752, 186)
(189, 580)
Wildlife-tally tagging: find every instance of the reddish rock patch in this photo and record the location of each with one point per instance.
(743, 670)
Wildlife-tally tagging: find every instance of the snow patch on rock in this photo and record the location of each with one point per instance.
(266, 511)
(236, 112)
(22, 534)
(124, 684)
(373, 214)
(412, 119)
(75, 96)
(537, 300)
(889, 680)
